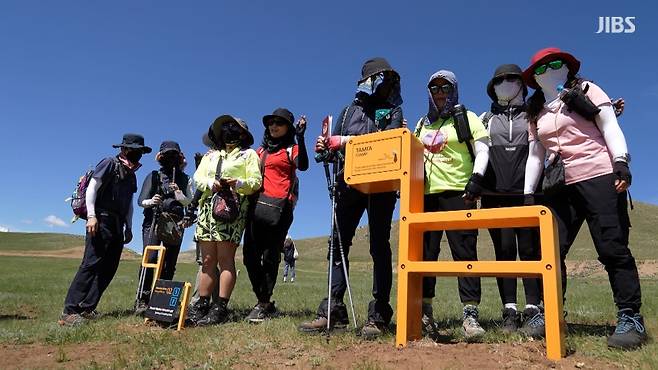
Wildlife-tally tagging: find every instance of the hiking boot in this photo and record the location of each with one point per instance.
(319, 325)
(217, 314)
(630, 332)
(511, 320)
(91, 315)
(198, 309)
(534, 323)
(372, 330)
(140, 307)
(261, 312)
(71, 319)
(471, 326)
(429, 327)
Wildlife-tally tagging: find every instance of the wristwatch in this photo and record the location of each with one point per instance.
(622, 158)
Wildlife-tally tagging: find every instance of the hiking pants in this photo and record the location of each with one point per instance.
(169, 263)
(99, 264)
(463, 246)
(507, 243)
(289, 268)
(263, 245)
(596, 201)
(350, 205)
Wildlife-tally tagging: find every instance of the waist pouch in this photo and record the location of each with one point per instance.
(554, 176)
(577, 101)
(268, 210)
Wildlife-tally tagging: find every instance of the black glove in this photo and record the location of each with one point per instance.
(621, 170)
(473, 188)
(528, 199)
(300, 130)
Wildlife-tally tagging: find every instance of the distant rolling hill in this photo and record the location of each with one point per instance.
(47, 245)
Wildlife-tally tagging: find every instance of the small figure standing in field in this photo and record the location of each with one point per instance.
(290, 256)
(108, 199)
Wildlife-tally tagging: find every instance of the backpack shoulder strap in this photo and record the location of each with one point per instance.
(485, 118)
(419, 125)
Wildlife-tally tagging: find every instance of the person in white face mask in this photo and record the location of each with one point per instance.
(574, 128)
(507, 124)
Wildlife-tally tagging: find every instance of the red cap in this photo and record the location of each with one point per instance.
(545, 55)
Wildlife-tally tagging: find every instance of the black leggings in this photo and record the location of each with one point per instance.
(463, 246)
(263, 245)
(507, 243)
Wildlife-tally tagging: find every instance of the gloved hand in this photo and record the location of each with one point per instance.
(300, 127)
(528, 199)
(624, 177)
(473, 188)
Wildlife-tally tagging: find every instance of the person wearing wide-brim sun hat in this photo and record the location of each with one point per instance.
(282, 152)
(218, 240)
(582, 139)
(507, 124)
(108, 199)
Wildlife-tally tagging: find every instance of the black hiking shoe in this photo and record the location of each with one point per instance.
(319, 325)
(198, 309)
(511, 320)
(217, 314)
(428, 325)
(372, 330)
(630, 332)
(534, 322)
(261, 312)
(71, 319)
(91, 315)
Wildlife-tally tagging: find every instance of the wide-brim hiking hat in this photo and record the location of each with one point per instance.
(205, 139)
(374, 66)
(282, 113)
(545, 55)
(215, 129)
(133, 141)
(504, 71)
(169, 146)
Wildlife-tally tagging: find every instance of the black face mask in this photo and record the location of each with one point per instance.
(231, 133)
(134, 156)
(169, 161)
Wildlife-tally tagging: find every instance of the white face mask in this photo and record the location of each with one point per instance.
(550, 80)
(507, 91)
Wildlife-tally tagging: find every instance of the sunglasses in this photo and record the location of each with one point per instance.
(508, 78)
(556, 64)
(277, 122)
(446, 89)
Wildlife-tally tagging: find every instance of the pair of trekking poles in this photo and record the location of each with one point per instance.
(336, 158)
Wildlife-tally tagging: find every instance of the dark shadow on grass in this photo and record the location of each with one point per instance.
(120, 313)
(240, 315)
(595, 330)
(15, 316)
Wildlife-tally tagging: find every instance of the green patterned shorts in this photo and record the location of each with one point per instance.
(208, 229)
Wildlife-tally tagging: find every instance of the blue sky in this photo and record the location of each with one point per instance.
(76, 75)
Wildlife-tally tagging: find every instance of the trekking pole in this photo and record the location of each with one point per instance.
(340, 245)
(330, 186)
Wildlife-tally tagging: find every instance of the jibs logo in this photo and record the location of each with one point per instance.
(616, 25)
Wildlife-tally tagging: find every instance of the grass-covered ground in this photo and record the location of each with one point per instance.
(33, 290)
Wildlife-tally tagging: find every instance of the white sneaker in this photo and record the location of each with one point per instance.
(292, 280)
(285, 279)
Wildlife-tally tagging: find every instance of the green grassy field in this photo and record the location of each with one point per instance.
(33, 290)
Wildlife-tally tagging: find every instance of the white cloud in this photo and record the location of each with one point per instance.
(4, 229)
(53, 221)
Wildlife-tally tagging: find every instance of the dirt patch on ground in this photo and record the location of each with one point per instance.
(593, 268)
(75, 252)
(70, 356)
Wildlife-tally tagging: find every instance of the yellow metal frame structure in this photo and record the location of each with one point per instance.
(157, 266)
(393, 160)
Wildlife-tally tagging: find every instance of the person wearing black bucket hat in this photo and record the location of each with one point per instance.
(235, 167)
(574, 131)
(165, 194)
(109, 226)
(376, 107)
(265, 233)
(507, 124)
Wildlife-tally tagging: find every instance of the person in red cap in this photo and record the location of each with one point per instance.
(574, 132)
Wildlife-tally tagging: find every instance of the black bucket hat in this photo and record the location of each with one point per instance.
(502, 71)
(168, 146)
(282, 113)
(375, 65)
(133, 141)
(214, 131)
